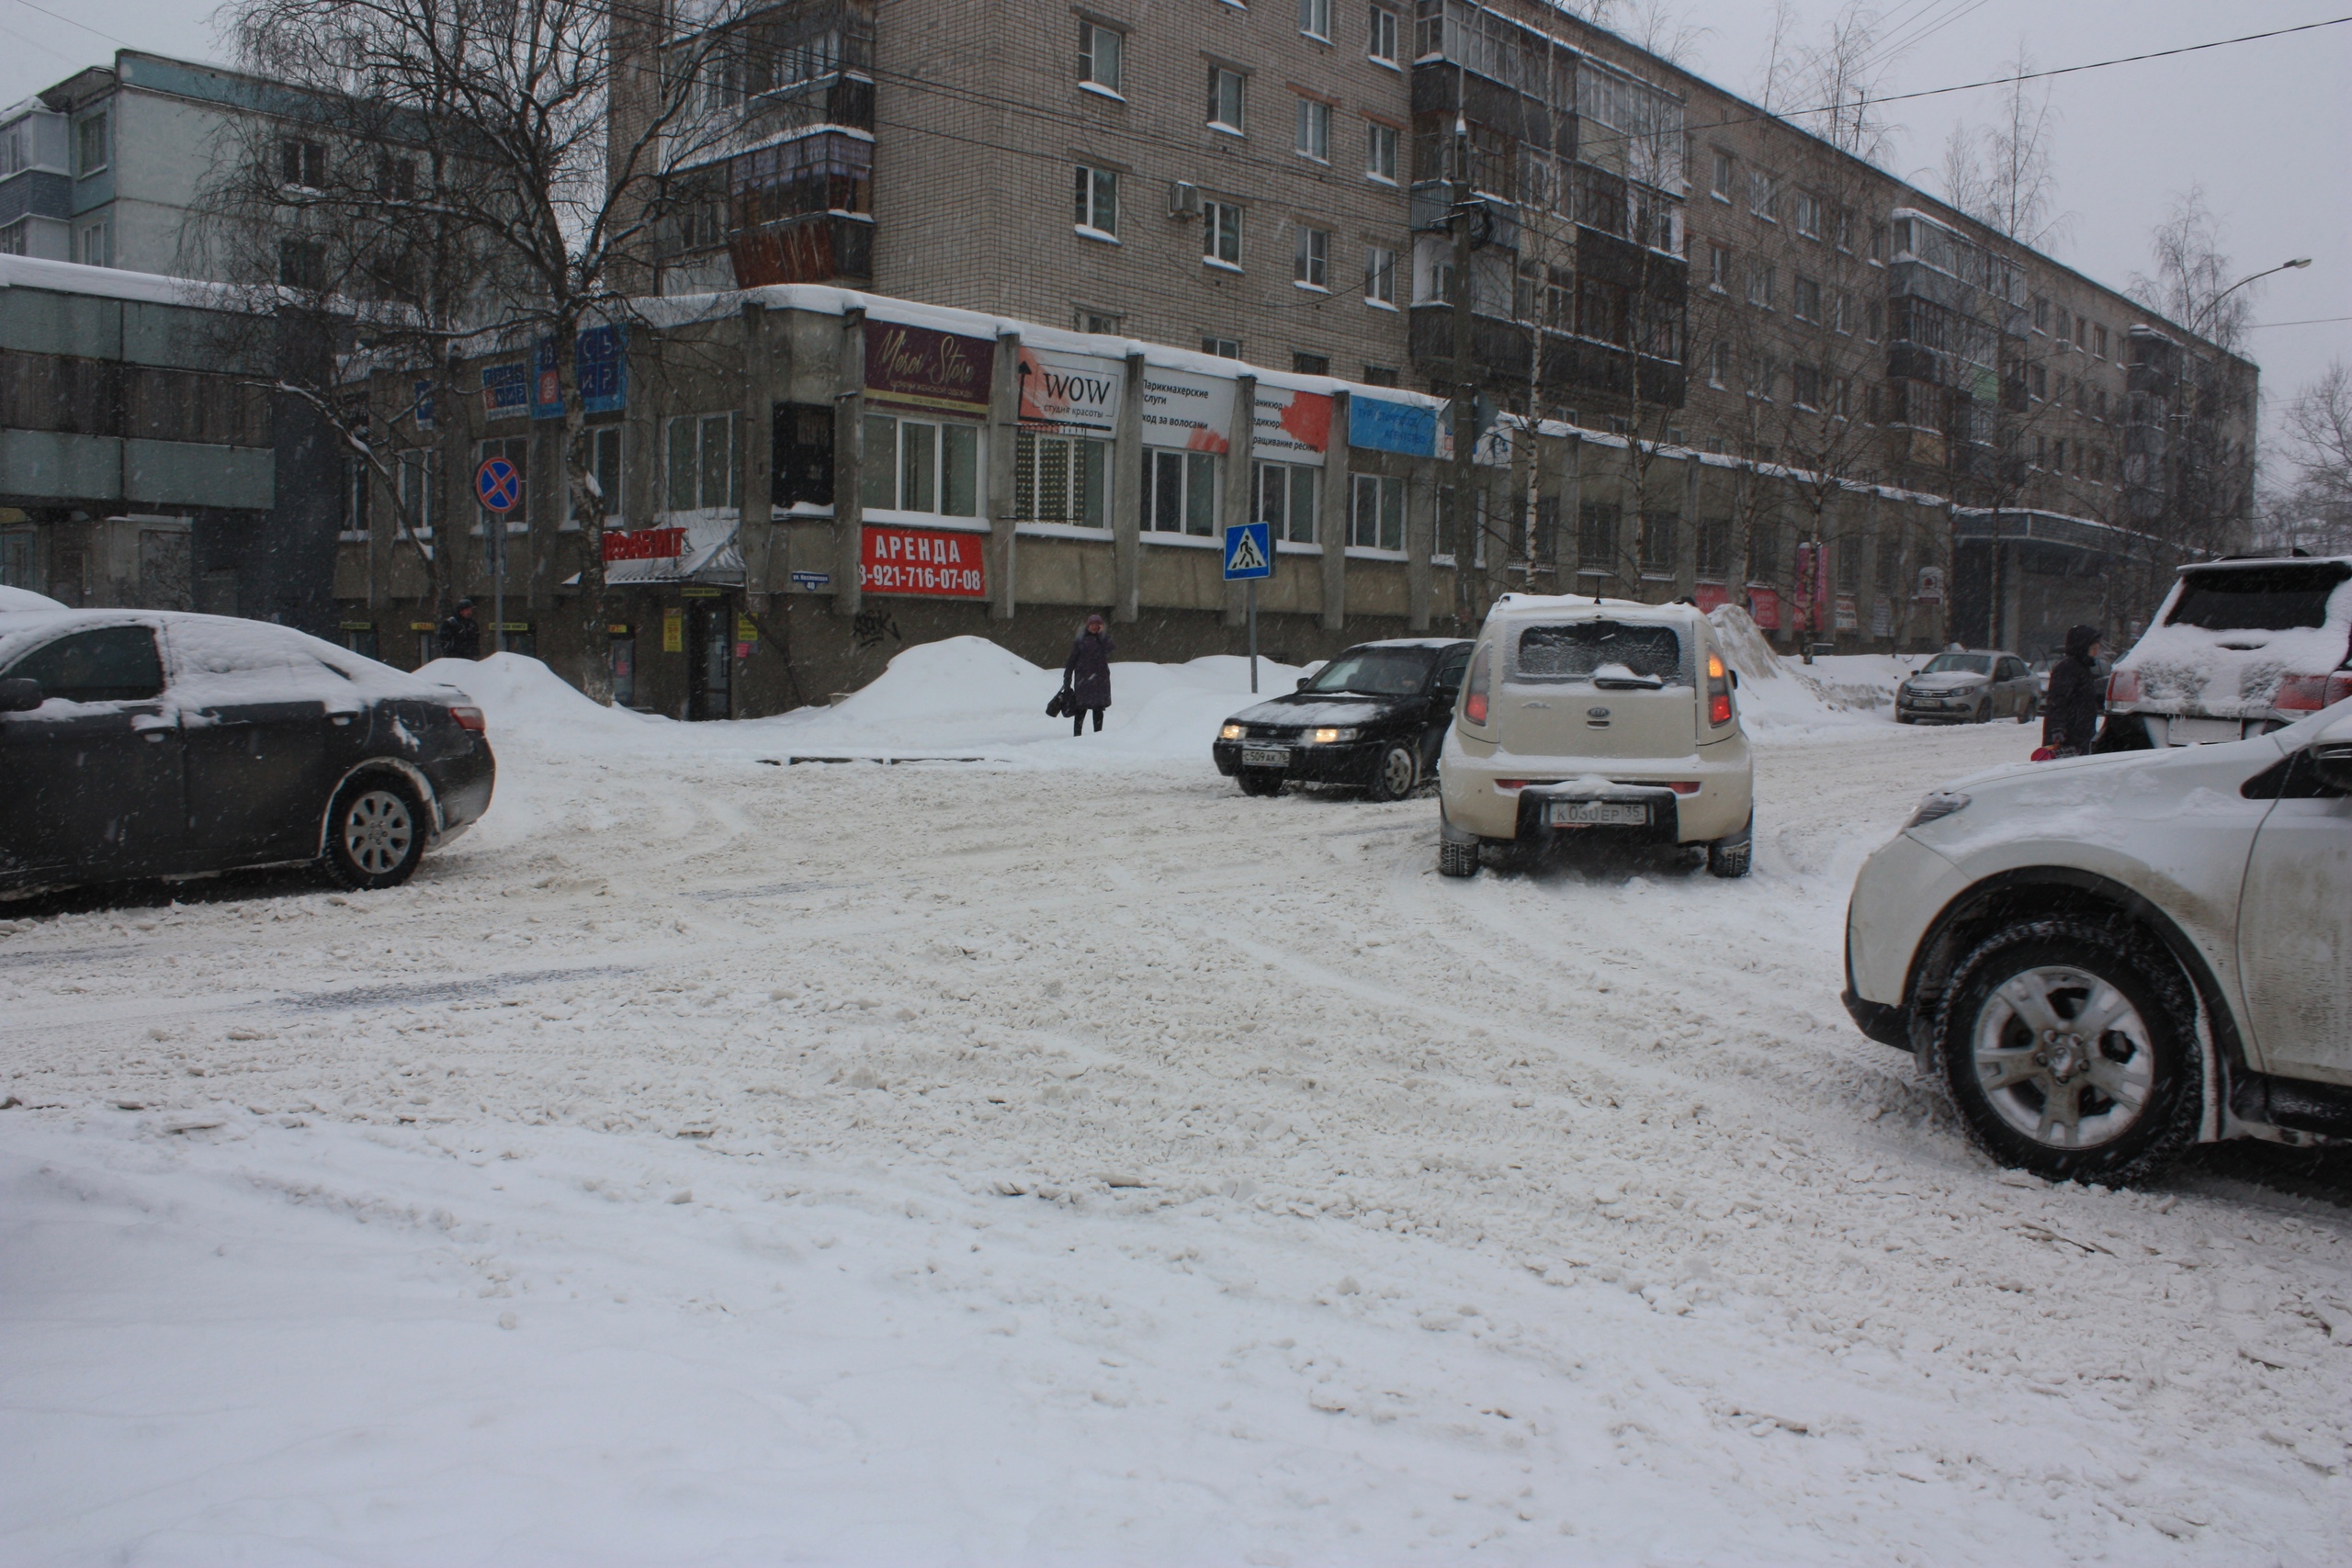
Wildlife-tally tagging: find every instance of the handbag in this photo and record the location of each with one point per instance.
(1060, 706)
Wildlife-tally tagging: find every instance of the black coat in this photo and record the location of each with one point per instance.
(2076, 696)
(460, 637)
(1087, 671)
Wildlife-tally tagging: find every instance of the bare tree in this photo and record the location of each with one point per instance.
(2001, 174)
(2313, 510)
(2192, 283)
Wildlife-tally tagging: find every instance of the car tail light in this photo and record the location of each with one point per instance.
(1510, 783)
(1473, 695)
(1718, 692)
(469, 719)
(2309, 694)
(2123, 686)
(1719, 708)
(1684, 786)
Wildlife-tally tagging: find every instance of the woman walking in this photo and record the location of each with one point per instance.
(1087, 675)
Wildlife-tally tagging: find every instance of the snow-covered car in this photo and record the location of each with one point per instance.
(1969, 687)
(2109, 958)
(1372, 719)
(1595, 719)
(2237, 648)
(16, 600)
(151, 744)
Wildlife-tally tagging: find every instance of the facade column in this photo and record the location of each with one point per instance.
(1240, 487)
(849, 466)
(1127, 478)
(754, 526)
(1004, 438)
(1331, 526)
(1420, 539)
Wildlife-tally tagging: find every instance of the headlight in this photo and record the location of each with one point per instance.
(1230, 732)
(1938, 806)
(1333, 737)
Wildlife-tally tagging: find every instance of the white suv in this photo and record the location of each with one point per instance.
(2238, 646)
(2110, 958)
(1598, 719)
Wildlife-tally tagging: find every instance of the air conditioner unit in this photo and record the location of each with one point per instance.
(1183, 200)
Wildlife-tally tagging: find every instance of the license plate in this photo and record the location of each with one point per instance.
(2204, 731)
(1598, 813)
(1264, 757)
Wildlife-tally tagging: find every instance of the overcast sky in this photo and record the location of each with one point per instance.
(2266, 127)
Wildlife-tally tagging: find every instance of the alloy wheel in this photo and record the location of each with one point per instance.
(2063, 1057)
(378, 830)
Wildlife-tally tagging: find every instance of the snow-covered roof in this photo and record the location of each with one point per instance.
(1586, 606)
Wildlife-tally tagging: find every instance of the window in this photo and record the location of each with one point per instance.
(1223, 347)
(1846, 565)
(1660, 533)
(1314, 17)
(1380, 375)
(1310, 257)
(1089, 321)
(90, 148)
(1889, 576)
(396, 178)
(2082, 332)
(303, 264)
(1719, 364)
(1225, 100)
(1878, 243)
(1314, 129)
(604, 443)
(1179, 493)
(109, 664)
(2040, 314)
(1597, 539)
(1380, 151)
(17, 556)
(1711, 549)
(1807, 207)
(1763, 199)
(1383, 44)
(1805, 385)
(1376, 513)
(1719, 269)
(1841, 311)
(1845, 225)
(2099, 341)
(1305, 364)
(1099, 50)
(515, 449)
(1098, 202)
(301, 163)
(12, 148)
(1061, 478)
(94, 243)
(355, 476)
(800, 454)
(413, 478)
(1807, 301)
(2037, 378)
(1286, 499)
(1763, 553)
(1725, 171)
(1760, 284)
(703, 475)
(12, 237)
(1379, 276)
(1221, 233)
(921, 465)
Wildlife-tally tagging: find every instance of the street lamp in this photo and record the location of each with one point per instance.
(2214, 303)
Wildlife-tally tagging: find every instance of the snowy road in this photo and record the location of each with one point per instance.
(721, 1161)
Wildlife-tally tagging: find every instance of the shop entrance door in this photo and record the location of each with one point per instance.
(710, 657)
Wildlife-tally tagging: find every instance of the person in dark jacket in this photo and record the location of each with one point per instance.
(1087, 674)
(460, 637)
(2077, 696)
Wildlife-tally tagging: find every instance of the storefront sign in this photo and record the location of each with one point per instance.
(1764, 608)
(644, 544)
(937, 563)
(1077, 393)
(1882, 618)
(1180, 409)
(1710, 596)
(929, 369)
(546, 381)
(600, 363)
(1931, 583)
(1378, 425)
(1848, 618)
(1290, 427)
(814, 582)
(673, 631)
(505, 390)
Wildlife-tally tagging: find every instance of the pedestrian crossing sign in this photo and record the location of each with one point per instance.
(1248, 551)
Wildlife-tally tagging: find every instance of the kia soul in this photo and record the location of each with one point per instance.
(1586, 721)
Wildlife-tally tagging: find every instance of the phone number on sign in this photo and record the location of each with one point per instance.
(920, 579)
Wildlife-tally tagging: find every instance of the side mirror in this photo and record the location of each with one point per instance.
(2333, 763)
(19, 695)
(1303, 679)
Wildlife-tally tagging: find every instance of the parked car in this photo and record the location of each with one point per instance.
(148, 744)
(2110, 958)
(1968, 688)
(1371, 719)
(1595, 720)
(2237, 648)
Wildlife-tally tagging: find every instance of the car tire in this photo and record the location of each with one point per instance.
(1733, 856)
(1397, 774)
(1984, 713)
(1259, 781)
(2031, 711)
(1904, 718)
(376, 832)
(1456, 860)
(2114, 1109)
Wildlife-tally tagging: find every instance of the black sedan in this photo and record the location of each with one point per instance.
(1373, 718)
(146, 744)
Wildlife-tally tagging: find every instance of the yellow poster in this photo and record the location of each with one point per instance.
(673, 631)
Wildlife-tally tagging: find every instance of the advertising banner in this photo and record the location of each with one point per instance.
(1848, 618)
(1377, 426)
(601, 362)
(1931, 584)
(1710, 596)
(936, 563)
(644, 544)
(1079, 393)
(505, 390)
(929, 370)
(547, 382)
(1180, 409)
(1764, 608)
(1290, 427)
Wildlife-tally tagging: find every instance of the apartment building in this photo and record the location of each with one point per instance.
(1650, 255)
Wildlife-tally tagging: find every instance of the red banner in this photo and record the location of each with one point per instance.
(1710, 596)
(935, 563)
(645, 544)
(1764, 608)
(930, 369)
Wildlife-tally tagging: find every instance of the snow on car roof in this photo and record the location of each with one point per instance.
(202, 645)
(2235, 563)
(1580, 604)
(1414, 642)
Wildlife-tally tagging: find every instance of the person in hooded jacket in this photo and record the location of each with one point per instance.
(461, 635)
(2077, 698)
(1087, 675)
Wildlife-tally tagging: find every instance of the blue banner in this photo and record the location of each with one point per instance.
(506, 390)
(602, 361)
(1378, 426)
(547, 385)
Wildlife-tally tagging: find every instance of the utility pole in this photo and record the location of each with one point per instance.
(1466, 390)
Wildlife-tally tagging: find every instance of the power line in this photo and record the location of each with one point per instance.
(2310, 322)
(71, 22)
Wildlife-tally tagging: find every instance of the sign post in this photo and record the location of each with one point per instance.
(1249, 557)
(499, 483)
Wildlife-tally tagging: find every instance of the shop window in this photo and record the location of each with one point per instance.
(604, 443)
(1061, 478)
(703, 473)
(920, 465)
(1376, 513)
(800, 454)
(1179, 493)
(1286, 494)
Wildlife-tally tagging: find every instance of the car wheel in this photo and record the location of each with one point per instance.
(376, 832)
(2028, 711)
(1984, 713)
(1904, 718)
(2067, 1049)
(1732, 856)
(1456, 860)
(1398, 772)
(1259, 781)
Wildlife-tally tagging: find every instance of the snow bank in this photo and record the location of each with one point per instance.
(521, 697)
(1781, 699)
(15, 601)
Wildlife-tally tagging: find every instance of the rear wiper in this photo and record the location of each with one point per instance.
(1628, 682)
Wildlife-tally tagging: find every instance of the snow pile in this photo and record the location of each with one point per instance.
(16, 601)
(2235, 673)
(521, 697)
(1782, 699)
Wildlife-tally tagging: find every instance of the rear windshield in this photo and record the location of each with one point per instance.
(2257, 598)
(1376, 671)
(1960, 664)
(1574, 652)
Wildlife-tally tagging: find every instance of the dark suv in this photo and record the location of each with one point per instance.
(1373, 718)
(137, 744)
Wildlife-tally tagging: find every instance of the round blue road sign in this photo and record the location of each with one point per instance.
(499, 483)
